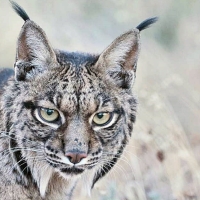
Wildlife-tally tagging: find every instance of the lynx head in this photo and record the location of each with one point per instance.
(70, 113)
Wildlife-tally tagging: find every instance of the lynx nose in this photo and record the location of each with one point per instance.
(75, 157)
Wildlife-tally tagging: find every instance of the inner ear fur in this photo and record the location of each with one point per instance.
(118, 61)
(34, 53)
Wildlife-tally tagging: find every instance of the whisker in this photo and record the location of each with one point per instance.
(32, 158)
(102, 166)
(7, 134)
(112, 163)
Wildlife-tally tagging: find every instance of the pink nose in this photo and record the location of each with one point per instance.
(75, 157)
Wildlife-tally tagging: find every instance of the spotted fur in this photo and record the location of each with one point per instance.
(34, 161)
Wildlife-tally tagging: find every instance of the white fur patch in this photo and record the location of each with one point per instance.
(44, 180)
(82, 162)
(87, 181)
(65, 160)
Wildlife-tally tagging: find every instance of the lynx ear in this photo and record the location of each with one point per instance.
(118, 61)
(34, 53)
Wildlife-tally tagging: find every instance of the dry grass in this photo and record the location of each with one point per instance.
(162, 160)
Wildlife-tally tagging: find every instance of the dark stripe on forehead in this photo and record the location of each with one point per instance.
(78, 100)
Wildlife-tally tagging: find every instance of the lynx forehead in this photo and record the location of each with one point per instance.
(64, 115)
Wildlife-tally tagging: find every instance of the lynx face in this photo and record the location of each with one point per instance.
(69, 113)
(71, 118)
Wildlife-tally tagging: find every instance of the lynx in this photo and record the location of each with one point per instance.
(64, 115)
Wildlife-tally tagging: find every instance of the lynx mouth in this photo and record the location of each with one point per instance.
(72, 170)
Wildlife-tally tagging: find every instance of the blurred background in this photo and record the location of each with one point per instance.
(162, 160)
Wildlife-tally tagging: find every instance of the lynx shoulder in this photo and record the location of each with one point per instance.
(64, 115)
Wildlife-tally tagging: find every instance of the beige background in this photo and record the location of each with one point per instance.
(162, 160)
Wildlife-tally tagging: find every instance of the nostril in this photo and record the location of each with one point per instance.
(75, 157)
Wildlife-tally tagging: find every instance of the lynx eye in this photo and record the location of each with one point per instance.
(48, 115)
(102, 118)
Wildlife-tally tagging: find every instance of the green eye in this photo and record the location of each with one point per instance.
(48, 115)
(102, 118)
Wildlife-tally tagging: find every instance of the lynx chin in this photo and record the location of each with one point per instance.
(64, 115)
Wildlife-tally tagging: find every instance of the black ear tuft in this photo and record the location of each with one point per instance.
(147, 23)
(20, 11)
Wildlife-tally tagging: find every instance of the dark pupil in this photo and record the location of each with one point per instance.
(49, 112)
(100, 115)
